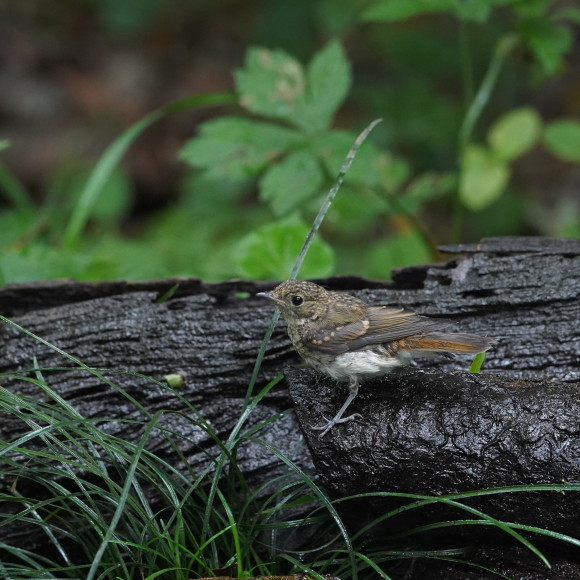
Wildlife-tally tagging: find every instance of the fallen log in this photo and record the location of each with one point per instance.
(436, 433)
(523, 291)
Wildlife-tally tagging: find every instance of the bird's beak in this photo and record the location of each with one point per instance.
(269, 296)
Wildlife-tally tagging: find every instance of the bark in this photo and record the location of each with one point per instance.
(439, 433)
(517, 423)
(525, 292)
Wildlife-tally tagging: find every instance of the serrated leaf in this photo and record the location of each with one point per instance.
(515, 133)
(483, 178)
(371, 166)
(274, 84)
(287, 184)
(548, 41)
(238, 148)
(269, 252)
(355, 210)
(394, 10)
(329, 80)
(562, 138)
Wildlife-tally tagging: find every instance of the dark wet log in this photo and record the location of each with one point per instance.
(525, 292)
(210, 339)
(429, 432)
(513, 562)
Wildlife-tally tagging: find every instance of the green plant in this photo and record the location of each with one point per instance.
(441, 168)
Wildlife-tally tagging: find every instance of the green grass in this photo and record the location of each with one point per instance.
(109, 508)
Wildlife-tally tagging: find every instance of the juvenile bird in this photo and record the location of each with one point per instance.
(345, 338)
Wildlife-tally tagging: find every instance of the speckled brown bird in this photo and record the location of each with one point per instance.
(345, 338)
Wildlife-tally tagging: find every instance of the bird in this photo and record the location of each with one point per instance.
(347, 339)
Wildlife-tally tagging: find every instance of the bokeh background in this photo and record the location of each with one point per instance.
(480, 135)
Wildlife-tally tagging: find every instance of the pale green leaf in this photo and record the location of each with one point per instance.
(515, 133)
(287, 184)
(272, 83)
(483, 178)
(356, 209)
(329, 80)
(425, 187)
(238, 148)
(548, 41)
(562, 138)
(331, 147)
(269, 252)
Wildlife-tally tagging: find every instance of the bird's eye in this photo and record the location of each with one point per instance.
(297, 300)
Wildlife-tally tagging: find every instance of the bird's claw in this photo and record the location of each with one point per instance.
(330, 423)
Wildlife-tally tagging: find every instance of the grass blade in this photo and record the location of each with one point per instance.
(112, 155)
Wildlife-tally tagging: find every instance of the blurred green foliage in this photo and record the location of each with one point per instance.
(452, 81)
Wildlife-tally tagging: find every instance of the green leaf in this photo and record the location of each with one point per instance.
(483, 177)
(477, 363)
(238, 148)
(548, 41)
(115, 197)
(274, 84)
(515, 133)
(41, 262)
(287, 184)
(402, 250)
(111, 156)
(425, 187)
(16, 226)
(269, 252)
(394, 10)
(562, 138)
(355, 210)
(331, 148)
(329, 80)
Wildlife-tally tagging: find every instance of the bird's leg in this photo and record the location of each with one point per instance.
(338, 418)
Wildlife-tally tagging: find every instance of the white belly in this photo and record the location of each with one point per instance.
(360, 364)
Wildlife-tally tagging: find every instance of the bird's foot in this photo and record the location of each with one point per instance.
(330, 423)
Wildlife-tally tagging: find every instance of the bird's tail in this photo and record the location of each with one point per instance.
(449, 342)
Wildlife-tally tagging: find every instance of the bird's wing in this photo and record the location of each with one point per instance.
(379, 326)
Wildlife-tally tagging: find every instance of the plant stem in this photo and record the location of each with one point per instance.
(503, 48)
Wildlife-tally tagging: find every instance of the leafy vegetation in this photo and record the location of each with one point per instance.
(440, 169)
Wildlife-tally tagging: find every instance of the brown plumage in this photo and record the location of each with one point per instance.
(347, 339)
